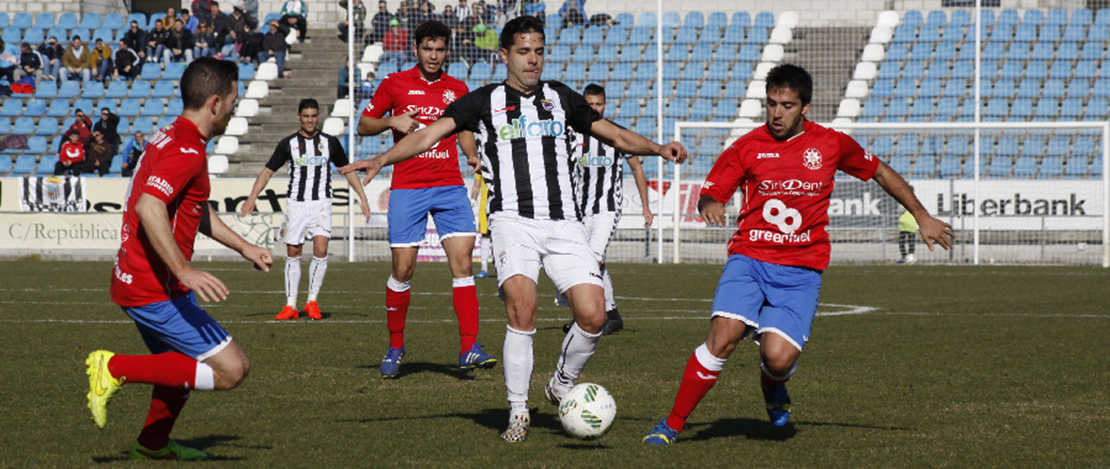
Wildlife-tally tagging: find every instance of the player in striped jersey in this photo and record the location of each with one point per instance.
(600, 198)
(523, 128)
(308, 208)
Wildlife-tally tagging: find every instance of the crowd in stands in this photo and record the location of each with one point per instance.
(89, 147)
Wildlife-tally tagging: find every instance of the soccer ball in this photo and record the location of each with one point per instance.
(587, 411)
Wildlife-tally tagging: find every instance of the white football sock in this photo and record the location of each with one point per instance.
(578, 347)
(316, 271)
(292, 279)
(782, 378)
(607, 285)
(517, 356)
(707, 359)
(205, 378)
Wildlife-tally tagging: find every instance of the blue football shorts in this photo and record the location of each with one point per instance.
(179, 325)
(773, 298)
(409, 208)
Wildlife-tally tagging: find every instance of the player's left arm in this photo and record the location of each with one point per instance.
(470, 148)
(641, 186)
(352, 179)
(212, 226)
(410, 146)
(932, 229)
(634, 144)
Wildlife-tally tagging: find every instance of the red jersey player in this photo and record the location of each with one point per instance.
(771, 281)
(428, 184)
(166, 206)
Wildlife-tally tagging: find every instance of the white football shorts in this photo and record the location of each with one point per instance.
(305, 220)
(601, 228)
(521, 245)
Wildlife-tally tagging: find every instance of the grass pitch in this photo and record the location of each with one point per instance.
(907, 366)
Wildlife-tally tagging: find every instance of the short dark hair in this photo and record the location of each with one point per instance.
(184, 11)
(594, 89)
(308, 103)
(206, 77)
(104, 109)
(520, 25)
(793, 77)
(75, 38)
(432, 29)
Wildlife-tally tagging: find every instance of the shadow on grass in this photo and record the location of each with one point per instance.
(494, 419)
(755, 429)
(413, 368)
(203, 443)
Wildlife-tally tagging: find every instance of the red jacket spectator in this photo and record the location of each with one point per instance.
(83, 126)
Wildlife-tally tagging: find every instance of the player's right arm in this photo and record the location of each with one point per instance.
(416, 143)
(721, 182)
(259, 184)
(373, 120)
(641, 187)
(155, 220)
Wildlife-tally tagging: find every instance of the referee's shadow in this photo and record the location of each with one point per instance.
(413, 368)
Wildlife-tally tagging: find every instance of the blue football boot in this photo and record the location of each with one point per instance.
(778, 404)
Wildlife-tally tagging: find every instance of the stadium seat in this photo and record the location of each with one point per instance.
(246, 72)
(47, 126)
(226, 145)
(23, 126)
(5, 165)
(151, 71)
(46, 164)
(91, 21)
(153, 108)
(218, 164)
(1053, 88)
(162, 89)
(1077, 166)
(616, 37)
(93, 90)
(640, 36)
(143, 124)
(69, 90)
(106, 103)
(24, 164)
(176, 106)
(735, 89)
(130, 107)
(174, 70)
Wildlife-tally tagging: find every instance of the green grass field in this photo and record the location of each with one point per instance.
(935, 366)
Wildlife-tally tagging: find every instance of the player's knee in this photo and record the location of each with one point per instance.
(591, 323)
(231, 376)
(778, 365)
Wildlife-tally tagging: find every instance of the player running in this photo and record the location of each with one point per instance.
(600, 199)
(308, 208)
(429, 184)
(166, 206)
(771, 281)
(523, 126)
(479, 192)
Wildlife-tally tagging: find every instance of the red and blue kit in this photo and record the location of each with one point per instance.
(174, 169)
(408, 91)
(786, 187)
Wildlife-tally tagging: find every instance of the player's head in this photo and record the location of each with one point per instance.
(522, 48)
(430, 44)
(595, 95)
(209, 88)
(308, 113)
(789, 90)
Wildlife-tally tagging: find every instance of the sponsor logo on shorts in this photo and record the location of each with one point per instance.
(502, 261)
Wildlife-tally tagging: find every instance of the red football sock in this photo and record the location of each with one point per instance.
(396, 308)
(167, 369)
(697, 380)
(465, 300)
(165, 405)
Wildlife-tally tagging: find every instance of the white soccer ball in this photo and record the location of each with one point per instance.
(587, 411)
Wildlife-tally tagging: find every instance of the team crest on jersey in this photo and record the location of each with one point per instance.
(547, 104)
(811, 158)
(449, 96)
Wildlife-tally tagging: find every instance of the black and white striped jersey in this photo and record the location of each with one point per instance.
(601, 170)
(527, 143)
(308, 158)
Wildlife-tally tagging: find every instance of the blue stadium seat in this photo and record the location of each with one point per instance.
(882, 89)
(733, 35)
(140, 89)
(1098, 33)
(950, 166)
(1056, 17)
(1071, 109)
(717, 71)
(1075, 33)
(1033, 18)
(678, 108)
(5, 165)
(93, 90)
(1058, 146)
(1011, 70)
(922, 107)
(651, 53)
(35, 107)
(616, 37)
(678, 53)
(709, 89)
(640, 35)
(638, 89)
(91, 21)
(1077, 166)
(1021, 109)
(246, 72)
(748, 53)
(559, 54)
(647, 20)
(1033, 147)
(13, 107)
(930, 88)
(1036, 69)
(138, 18)
(947, 107)
(47, 126)
(607, 54)
(710, 36)
(928, 34)
(734, 89)
(717, 20)
(23, 126)
(989, 70)
(900, 163)
(174, 70)
(58, 108)
(1061, 69)
(924, 166)
(569, 37)
(130, 108)
(1025, 166)
(889, 70)
(963, 70)
(34, 36)
(757, 36)
(47, 163)
(645, 71)
(144, 125)
(103, 34)
(175, 107)
(686, 36)
(106, 103)
(1091, 53)
(1053, 88)
(997, 50)
(952, 34)
(1052, 166)
(1004, 34)
(1008, 17)
(686, 89)
(113, 21)
(631, 54)
(124, 127)
(11, 36)
(5, 20)
(164, 121)
(905, 88)
(1043, 51)
(22, 21)
(575, 72)
(726, 109)
(997, 107)
(671, 70)
(151, 71)
(897, 110)
(1018, 51)
(583, 54)
(1097, 110)
(741, 71)
(44, 21)
(764, 19)
(1029, 88)
(945, 52)
(593, 36)
(872, 108)
(1000, 166)
(24, 164)
(1003, 89)
(116, 90)
(914, 70)
(622, 72)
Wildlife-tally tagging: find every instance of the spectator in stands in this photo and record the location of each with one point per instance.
(131, 155)
(485, 45)
(71, 156)
(274, 45)
(380, 23)
(396, 42)
(204, 41)
(449, 18)
(9, 62)
(252, 45)
(156, 42)
(359, 15)
(424, 13)
(500, 18)
(171, 16)
(77, 62)
(250, 8)
(341, 90)
(238, 24)
(107, 127)
(191, 22)
(136, 40)
(462, 11)
(573, 12)
(219, 28)
(404, 17)
(179, 44)
(294, 14)
(30, 64)
(51, 53)
(82, 126)
(126, 62)
(202, 9)
(102, 61)
(98, 155)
